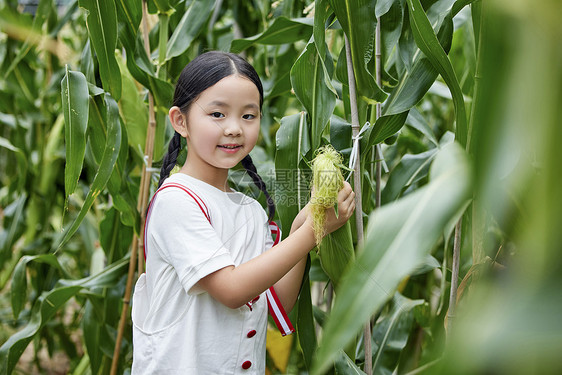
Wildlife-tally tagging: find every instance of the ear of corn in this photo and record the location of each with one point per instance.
(336, 249)
(335, 252)
(327, 181)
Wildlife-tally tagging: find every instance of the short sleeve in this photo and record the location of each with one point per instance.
(268, 238)
(185, 238)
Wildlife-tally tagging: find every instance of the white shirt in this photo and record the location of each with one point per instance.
(177, 327)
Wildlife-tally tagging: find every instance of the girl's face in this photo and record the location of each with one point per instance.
(223, 124)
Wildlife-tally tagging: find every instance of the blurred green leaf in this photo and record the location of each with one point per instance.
(189, 27)
(45, 308)
(283, 30)
(398, 238)
(391, 334)
(21, 160)
(102, 27)
(75, 107)
(133, 111)
(418, 122)
(19, 280)
(345, 366)
(41, 14)
(410, 169)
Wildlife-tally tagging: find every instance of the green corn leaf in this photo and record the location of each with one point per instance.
(310, 81)
(102, 27)
(110, 154)
(305, 319)
(346, 366)
(129, 15)
(429, 44)
(418, 122)
(19, 280)
(142, 69)
(74, 89)
(133, 111)
(357, 19)
(189, 27)
(21, 160)
(410, 169)
(336, 252)
(43, 310)
(412, 86)
(398, 238)
(389, 327)
(47, 305)
(163, 6)
(34, 33)
(283, 30)
(293, 143)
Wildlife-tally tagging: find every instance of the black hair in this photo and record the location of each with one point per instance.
(201, 73)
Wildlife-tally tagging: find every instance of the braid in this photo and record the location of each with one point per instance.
(169, 161)
(249, 166)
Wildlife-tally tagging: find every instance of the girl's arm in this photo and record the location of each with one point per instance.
(288, 287)
(234, 286)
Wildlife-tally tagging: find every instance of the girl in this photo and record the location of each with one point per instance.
(201, 308)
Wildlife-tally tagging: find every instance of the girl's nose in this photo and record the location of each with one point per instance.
(232, 128)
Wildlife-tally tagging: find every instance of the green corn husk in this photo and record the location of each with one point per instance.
(336, 249)
(336, 252)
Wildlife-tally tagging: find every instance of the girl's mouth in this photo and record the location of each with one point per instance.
(230, 148)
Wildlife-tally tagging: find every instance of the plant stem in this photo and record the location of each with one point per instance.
(378, 153)
(163, 19)
(478, 213)
(357, 190)
(454, 276)
(142, 201)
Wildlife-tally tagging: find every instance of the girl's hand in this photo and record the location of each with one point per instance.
(346, 206)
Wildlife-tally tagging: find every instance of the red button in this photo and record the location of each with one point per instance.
(246, 365)
(252, 333)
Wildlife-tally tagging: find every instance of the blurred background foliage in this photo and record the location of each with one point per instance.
(470, 94)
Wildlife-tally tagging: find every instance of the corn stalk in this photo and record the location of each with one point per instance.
(136, 250)
(357, 189)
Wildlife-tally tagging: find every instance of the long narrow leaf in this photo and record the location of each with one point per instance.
(189, 27)
(129, 15)
(19, 280)
(111, 151)
(411, 88)
(305, 320)
(309, 77)
(429, 44)
(399, 237)
(47, 305)
(283, 30)
(102, 27)
(74, 89)
(292, 142)
(357, 19)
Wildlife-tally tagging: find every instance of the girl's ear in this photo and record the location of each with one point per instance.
(178, 121)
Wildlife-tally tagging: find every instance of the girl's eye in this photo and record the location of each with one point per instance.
(217, 115)
(249, 117)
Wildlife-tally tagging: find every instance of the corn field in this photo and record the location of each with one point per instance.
(446, 112)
